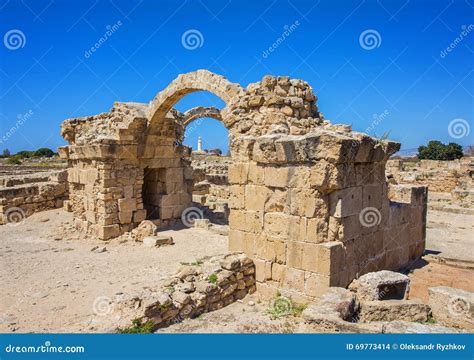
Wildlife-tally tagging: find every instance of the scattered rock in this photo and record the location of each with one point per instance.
(146, 228)
(381, 285)
(156, 241)
(99, 249)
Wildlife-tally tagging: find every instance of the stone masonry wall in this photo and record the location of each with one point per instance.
(309, 200)
(21, 196)
(206, 286)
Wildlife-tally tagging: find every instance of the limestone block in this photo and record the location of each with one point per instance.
(250, 221)
(278, 272)
(127, 205)
(157, 241)
(391, 310)
(373, 195)
(255, 174)
(294, 279)
(236, 196)
(345, 202)
(453, 307)
(330, 257)
(276, 176)
(295, 253)
(315, 284)
(381, 285)
(238, 173)
(108, 232)
(255, 197)
(317, 230)
(139, 215)
(202, 224)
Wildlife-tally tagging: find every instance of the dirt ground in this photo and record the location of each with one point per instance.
(53, 285)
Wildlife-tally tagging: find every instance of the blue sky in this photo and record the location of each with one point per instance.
(400, 83)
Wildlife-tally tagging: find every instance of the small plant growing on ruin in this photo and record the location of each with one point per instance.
(430, 320)
(212, 278)
(138, 327)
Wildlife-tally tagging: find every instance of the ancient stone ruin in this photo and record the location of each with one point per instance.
(309, 201)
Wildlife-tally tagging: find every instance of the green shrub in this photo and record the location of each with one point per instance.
(138, 327)
(436, 150)
(212, 278)
(14, 160)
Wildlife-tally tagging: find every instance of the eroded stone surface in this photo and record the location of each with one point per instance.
(381, 285)
(453, 307)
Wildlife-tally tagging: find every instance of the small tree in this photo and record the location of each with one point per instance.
(6, 153)
(436, 150)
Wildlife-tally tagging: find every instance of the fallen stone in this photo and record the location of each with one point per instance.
(146, 228)
(99, 249)
(155, 241)
(201, 223)
(391, 310)
(333, 309)
(452, 307)
(381, 285)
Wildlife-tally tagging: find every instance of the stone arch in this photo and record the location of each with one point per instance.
(201, 112)
(200, 80)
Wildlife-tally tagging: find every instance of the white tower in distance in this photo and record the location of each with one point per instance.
(199, 144)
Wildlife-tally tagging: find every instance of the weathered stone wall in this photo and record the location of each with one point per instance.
(304, 193)
(208, 285)
(23, 195)
(439, 176)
